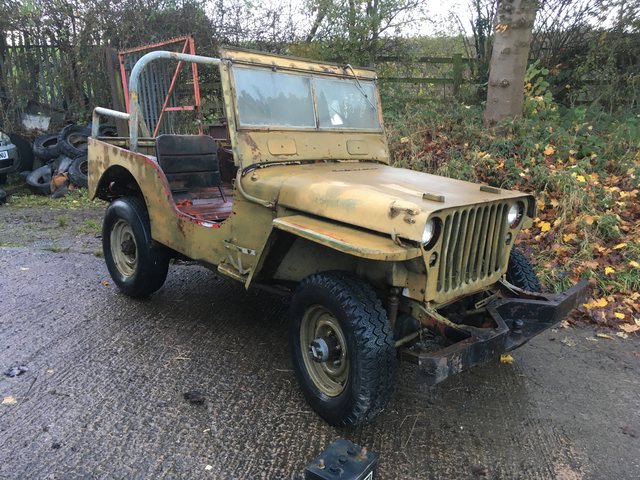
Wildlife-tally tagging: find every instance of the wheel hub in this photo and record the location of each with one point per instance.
(124, 248)
(128, 247)
(325, 348)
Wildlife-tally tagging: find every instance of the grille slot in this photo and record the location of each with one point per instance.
(472, 245)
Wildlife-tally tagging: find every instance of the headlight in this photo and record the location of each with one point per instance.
(429, 232)
(515, 213)
(4, 139)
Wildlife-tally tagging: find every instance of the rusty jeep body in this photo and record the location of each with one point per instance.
(294, 193)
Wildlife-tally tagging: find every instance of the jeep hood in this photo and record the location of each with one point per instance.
(376, 197)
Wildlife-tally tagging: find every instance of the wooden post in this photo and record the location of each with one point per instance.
(4, 94)
(117, 93)
(457, 73)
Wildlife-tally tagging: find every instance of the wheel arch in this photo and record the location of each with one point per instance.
(290, 258)
(116, 182)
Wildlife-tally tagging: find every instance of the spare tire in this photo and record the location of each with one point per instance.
(39, 181)
(25, 152)
(107, 130)
(73, 140)
(47, 146)
(78, 172)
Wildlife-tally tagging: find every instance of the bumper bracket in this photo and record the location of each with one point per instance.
(516, 319)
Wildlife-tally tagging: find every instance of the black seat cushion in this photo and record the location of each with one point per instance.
(189, 160)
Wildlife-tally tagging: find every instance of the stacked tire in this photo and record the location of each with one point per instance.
(63, 160)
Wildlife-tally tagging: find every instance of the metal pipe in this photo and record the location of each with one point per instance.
(251, 198)
(107, 112)
(407, 339)
(134, 87)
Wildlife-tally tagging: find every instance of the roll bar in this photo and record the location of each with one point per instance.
(134, 85)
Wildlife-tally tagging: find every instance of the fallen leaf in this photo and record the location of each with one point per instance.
(545, 226)
(604, 335)
(506, 358)
(601, 302)
(619, 315)
(609, 270)
(404, 140)
(588, 219)
(549, 150)
(104, 283)
(9, 400)
(622, 335)
(629, 328)
(581, 179)
(634, 264)
(619, 246)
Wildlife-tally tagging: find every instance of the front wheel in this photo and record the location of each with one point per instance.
(343, 349)
(520, 272)
(137, 266)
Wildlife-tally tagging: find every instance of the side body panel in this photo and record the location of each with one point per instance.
(246, 230)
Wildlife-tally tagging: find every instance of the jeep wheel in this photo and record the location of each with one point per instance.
(520, 272)
(342, 347)
(137, 266)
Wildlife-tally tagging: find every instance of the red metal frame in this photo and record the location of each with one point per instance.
(188, 46)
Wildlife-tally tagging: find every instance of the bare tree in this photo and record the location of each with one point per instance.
(358, 30)
(512, 41)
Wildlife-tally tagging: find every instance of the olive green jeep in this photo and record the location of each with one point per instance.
(295, 194)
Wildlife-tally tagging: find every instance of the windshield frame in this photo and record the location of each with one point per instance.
(312, 77)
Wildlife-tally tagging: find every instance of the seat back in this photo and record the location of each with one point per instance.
(189, 161)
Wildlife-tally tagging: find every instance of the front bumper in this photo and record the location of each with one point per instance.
(516, 319)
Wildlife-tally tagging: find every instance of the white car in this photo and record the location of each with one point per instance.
(8, 157)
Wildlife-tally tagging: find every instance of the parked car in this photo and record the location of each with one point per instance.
(9, 160)
(381, 263)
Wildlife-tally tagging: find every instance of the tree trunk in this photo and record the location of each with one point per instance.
(513, 26)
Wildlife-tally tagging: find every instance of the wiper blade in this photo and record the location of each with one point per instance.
(364, 94)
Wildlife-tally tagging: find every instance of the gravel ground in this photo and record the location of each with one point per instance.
(103, 396)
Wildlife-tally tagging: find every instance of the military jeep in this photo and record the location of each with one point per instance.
(295, 194)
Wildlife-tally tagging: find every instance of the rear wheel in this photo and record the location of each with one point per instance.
(343, 349)
(137, 266)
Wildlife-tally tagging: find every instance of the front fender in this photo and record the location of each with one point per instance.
(346, 239)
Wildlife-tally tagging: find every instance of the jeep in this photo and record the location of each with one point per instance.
(294, 192)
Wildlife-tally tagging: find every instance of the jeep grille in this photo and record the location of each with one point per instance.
(473, 245)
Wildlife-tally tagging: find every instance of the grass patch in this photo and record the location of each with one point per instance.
(89, 227)
(78, 198)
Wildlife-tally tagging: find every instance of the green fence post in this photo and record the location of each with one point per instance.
(457, 73)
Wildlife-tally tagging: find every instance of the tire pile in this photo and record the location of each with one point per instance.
(63, 156)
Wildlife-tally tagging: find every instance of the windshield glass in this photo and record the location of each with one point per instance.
(275, 99)
(345, 103)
